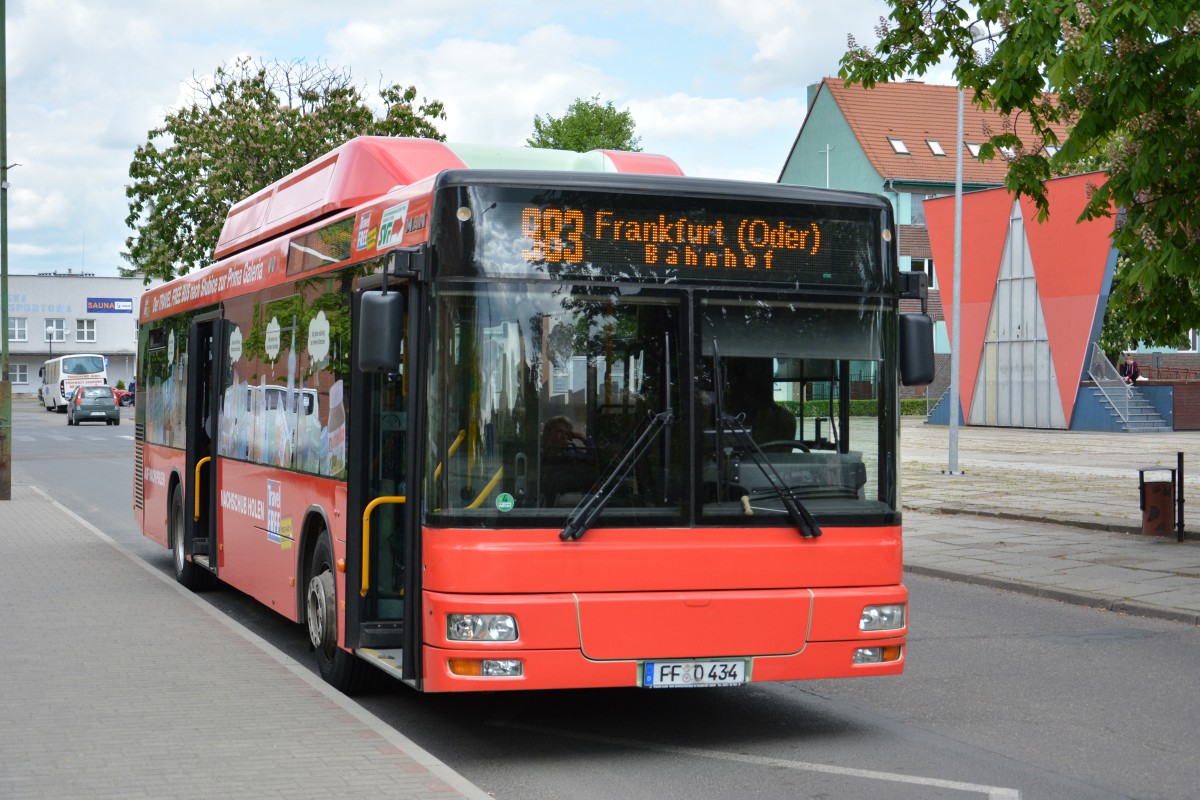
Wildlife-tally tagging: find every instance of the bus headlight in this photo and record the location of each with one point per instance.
(882, 618)
(486, 668)
(877, 655)
(481, 628)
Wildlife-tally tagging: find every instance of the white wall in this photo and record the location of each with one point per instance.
(37, 300)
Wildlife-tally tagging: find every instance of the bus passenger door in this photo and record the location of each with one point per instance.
(201, 479)
(383, 579)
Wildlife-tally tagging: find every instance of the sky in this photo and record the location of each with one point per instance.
(720, 86)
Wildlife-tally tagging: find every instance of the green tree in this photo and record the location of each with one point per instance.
(587, 125)
(1124, 76)
(252, 124)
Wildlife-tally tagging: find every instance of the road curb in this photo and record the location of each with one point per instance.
(1106, 527)
(1123, 606)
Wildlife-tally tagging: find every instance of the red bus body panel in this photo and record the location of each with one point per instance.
(589, 611)
(160, 465)
(259, 553)
(250, 557)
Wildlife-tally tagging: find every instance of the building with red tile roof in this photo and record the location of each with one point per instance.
(898, 140)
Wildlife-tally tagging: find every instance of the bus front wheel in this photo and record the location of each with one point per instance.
(341, 669)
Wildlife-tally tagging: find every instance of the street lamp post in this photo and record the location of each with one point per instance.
(50, 331)
(5, 382)
(977, 36)
(956, 300)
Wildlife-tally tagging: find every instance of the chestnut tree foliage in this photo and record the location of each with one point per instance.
(587, 125)
(1124, 77)
(245, 127)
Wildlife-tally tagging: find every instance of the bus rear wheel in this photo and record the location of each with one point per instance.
(186, 572)
(343, 670)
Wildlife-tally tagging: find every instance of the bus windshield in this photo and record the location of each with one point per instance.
(82, 365)
(540, 389)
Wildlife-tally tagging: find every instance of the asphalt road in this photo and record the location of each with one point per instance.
(1005, 696)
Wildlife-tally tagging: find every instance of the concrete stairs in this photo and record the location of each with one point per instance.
(1141, 416)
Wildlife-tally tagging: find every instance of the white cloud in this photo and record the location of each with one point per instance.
(491, 90)
(727, 119)
(797, 44)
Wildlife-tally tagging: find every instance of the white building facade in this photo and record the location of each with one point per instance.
(60, 314)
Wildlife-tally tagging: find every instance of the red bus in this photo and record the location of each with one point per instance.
(496, 419)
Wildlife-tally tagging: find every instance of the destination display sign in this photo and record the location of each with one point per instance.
(594, 234)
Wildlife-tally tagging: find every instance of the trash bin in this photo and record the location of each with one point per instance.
(1157, 500)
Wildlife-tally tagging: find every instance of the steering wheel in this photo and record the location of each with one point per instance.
(790, 443)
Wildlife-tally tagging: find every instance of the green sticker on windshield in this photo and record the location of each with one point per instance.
(505, 502)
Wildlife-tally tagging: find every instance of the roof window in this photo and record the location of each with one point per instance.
(899, 146)
(1052, 150)
(935, 147)
(973, 148)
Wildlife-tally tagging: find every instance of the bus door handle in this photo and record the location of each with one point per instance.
(199, 464)
(366, 540)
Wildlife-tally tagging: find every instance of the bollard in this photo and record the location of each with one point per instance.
(1179, 497)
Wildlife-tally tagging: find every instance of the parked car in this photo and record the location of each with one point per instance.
(124, 397)
(93, 404)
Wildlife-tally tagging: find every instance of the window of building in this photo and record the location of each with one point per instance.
(935, 147)
(17, 330)
(973, 149)
(56, 330)
(922, 265)
(916, 212)
(18, 373)
(1008, 153)
(899, 146)
(1052, 150)
(85, 330)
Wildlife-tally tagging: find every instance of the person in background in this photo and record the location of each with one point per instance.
(568, 460)
(560, 438)
(1129, 370)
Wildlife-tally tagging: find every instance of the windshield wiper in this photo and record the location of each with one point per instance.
(804, 521)
(584, 514)
(589, 508)
(800, 516)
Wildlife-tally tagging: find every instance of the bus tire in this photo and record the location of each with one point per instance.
(186, 573)
(343, 670)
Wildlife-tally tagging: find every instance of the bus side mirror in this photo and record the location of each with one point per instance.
(380, 331)
(916, 349)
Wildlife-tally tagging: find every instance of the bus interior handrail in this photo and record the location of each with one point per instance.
(199, 464)
(478, 501)
(366, 537)
(450, 451)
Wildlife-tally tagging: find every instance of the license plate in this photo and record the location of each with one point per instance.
(694, 674)
(98, 413)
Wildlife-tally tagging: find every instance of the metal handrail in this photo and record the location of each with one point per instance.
(366, 537)
(1110, 383)
(199, 464)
